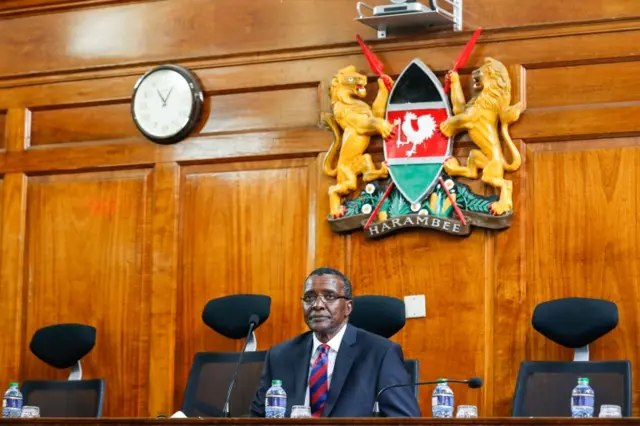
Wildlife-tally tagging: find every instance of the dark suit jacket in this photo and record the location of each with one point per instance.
(365, 363)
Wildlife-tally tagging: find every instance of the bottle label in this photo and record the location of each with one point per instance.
(276, 401)
(446, 400)
(583, 400)
(12, 402)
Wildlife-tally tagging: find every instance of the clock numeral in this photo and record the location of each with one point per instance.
(165, 128)
(184, 113)
(143, 105)
(155, 124)
(145, 116)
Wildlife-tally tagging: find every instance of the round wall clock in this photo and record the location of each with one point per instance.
(166, 104)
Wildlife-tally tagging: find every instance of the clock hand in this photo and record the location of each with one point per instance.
(168, 94)
(164, 102)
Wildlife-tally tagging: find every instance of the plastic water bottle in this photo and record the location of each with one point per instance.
(12, 402)
(442, 400)
(275, 402)
(582, 399)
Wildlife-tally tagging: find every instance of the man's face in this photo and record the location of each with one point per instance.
(325, 308)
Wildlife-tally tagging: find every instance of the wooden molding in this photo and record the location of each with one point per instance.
(446, 41)
(15, 8)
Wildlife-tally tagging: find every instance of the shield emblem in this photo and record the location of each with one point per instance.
(416, 151)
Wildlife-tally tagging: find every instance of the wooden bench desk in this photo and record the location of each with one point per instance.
(426, 421)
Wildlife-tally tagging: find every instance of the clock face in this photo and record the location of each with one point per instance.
(166, 104)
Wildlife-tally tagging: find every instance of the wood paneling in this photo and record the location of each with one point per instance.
(3, 128)
(93, 123)
(55, 42)
(506, 329)
(592, 251)
(557, 44)
(164, 276)
(102, 226)
(582, 85)
(279, 109)
(23, 7)
(242, 225)
(448, 272)
(88, 262)
(12, 272)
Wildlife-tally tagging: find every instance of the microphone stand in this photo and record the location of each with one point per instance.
(226, 410)
(376, 406)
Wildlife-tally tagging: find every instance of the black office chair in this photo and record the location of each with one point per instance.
(63, 346)
(544, 388)
(65, 398)
(209, 379)
(384, 316)
(211, 372)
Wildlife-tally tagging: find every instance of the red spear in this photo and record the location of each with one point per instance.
(377, 67)
(374, 62)
(463, 57)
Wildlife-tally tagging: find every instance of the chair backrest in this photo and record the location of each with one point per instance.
(575, 322)
(544, 387)
(64, 345)
(381, 315)
(65, 398)
(209, 380)
(413, 370)
(384, 316)
(231, 316)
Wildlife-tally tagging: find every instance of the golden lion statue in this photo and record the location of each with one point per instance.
(360, 122)
(479, 117)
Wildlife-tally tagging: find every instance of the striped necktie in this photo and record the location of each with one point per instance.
(318, 384)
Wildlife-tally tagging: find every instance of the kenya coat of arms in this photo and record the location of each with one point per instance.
(414, 187)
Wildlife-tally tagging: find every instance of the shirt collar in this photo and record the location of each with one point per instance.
(333, 343)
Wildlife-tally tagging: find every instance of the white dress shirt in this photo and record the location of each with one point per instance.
(334, 346)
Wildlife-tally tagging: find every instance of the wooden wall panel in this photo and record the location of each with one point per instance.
(164, 276)
(55, 42)
(92, 123)
(3, 130)
(87, 253)
(11, 275)
(109, 121)
(538, 47)
(592, 252)
(242, 225)
(279, 109)
(20, 7)
(507, 328)
(583, 85)
(449, 272)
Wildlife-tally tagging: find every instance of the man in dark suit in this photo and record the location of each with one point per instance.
(336, 369)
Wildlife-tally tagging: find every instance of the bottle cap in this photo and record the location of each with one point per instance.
(13, 384)
(442, 380)
(583, 379)
(276, 383)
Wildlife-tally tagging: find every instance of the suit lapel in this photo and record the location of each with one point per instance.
(346, 354)
(300, 358)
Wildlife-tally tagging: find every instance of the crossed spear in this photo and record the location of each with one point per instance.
(378, 68)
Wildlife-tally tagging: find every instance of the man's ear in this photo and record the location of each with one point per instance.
(349, 307)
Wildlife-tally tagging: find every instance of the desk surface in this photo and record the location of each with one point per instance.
(426, 421)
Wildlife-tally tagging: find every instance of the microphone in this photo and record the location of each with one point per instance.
(253, 322)
(473, 383)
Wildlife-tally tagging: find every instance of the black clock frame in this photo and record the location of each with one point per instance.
(197, 103)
